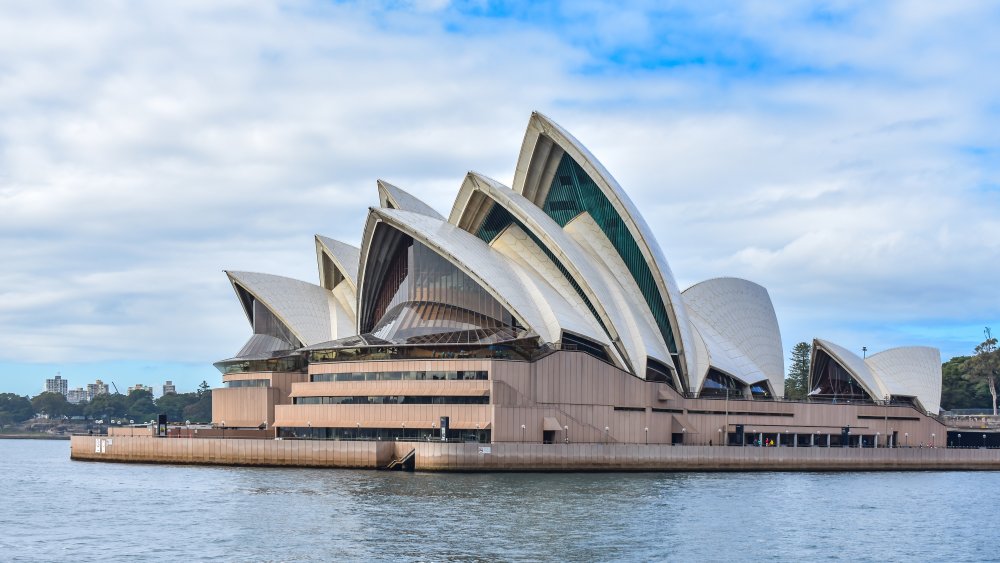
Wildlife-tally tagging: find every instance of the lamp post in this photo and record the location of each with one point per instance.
(933, 436)
(906, 439)
(223, 422)
(960, 440)
(607, 431)
(646, 429)
(357, 433)
(721, 443)
(877, 434)
(403, 425)
(984, 440)
(786, 438)
(683, 436)
(864, 352)
(566, 433)
(522, 432)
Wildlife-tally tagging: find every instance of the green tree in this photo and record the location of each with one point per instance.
(985, 366)
(200, 411)
(14, 409)
(173, 405)
(139, 406)
(53, 404)
(203, 388)
(797, 382)
(106, 405)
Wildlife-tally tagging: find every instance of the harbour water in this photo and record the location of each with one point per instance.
(54, 509)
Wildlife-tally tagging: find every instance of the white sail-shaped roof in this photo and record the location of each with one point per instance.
(476, 199)
(853, 364)
(310, 312)
(343, 262)
(499, 275)
(544, 145)
(391, 197)
(737, 320)
(913, 371)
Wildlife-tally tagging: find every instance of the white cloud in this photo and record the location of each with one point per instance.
(837, 160)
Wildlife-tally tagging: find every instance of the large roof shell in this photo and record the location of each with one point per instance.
(308, 311)
(499, 275)
(913, 371)
(344, 258)
(737, 321)
(391, 197)
(589, 274)
(543, 146)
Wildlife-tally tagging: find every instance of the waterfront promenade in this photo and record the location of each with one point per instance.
(439, 456)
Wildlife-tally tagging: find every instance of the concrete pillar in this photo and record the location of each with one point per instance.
(795, 440)
(828, 440)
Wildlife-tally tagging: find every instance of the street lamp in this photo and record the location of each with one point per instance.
(223, 428)
(960, 440)
(522, 432)
(566, 433)
(683, 436)
(720, 438)
(877, 434)
(647, 435)
(607, 432)
(357, 434)
(932, 439)
(906, 436)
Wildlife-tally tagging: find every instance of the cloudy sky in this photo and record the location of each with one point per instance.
(843, 155)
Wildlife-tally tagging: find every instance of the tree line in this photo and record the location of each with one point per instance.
(968, 382)
(138, 406)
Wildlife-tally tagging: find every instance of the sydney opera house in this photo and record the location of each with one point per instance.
(544, 312)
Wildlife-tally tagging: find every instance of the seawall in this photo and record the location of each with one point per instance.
(436, 456)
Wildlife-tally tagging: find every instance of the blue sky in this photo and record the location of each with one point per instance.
(842, 154)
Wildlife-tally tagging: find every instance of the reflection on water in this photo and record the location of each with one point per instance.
(56, 509)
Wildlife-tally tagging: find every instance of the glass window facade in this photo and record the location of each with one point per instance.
(394, 400)
(400, 434)
(573, 342)
(832, 381)
(287, 364)
(415, 296)
(573, 192)
(248, 383)
(523, 350)
(718, 384)
(403, 376)
(657, 371)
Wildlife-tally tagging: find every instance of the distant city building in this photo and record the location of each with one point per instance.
(57, 385)
(76, 396)
(96, 388)
(140, 387)
(169, 388)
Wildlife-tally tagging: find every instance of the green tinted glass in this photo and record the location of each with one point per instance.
(573, 192)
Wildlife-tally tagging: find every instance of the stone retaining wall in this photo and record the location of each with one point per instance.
(230, 451)
(436, 456)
